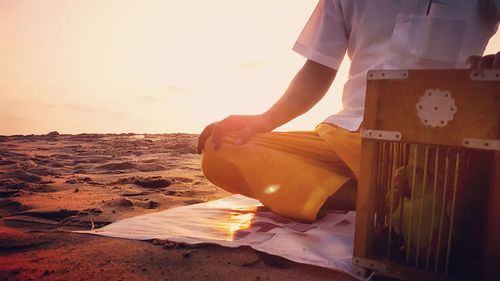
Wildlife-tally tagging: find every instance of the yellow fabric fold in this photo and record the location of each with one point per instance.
(292, 173)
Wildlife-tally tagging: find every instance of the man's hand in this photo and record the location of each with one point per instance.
(308, 86)
(247, 125)
(488, 61)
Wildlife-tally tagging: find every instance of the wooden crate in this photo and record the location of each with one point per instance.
(428, 203)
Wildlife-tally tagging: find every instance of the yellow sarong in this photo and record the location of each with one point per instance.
(292, 173)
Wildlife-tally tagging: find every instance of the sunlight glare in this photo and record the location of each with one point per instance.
(272, 188)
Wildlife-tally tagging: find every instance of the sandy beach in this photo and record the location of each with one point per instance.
(53, 183)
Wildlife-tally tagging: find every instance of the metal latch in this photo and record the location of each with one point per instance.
(381, 135)
(481, 144)
(485, 75)
(375, 265)
(387, 74)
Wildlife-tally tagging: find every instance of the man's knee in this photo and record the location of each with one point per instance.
(225, 167)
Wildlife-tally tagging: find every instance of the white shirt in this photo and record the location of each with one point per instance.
(393, 34)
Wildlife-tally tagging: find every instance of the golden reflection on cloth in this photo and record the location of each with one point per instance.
(238, 219)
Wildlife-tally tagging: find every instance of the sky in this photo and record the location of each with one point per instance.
(152, 66)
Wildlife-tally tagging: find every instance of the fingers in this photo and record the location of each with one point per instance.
(247, 125)
(217, 129)
(473, 61)
(232, 122)
(488, 61)
(203, 137)
(246, 134)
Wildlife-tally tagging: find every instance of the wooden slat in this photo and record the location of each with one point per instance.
(365, 203)
(365, 200)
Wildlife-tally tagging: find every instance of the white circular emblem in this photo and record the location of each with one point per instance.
(436, 108)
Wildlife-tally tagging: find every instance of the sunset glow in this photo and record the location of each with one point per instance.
(157, 66)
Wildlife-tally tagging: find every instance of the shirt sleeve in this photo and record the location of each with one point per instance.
(324, 38)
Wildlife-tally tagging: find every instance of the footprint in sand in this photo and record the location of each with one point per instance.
(130, 203)
(120, 203)
(148, 182)
(117, 166)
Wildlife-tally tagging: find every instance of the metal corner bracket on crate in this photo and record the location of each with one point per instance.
(362, 264)
(387, 74)
(381, 135)
(482, 144)
(485, 75)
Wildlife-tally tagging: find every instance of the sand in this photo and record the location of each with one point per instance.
(53, 183)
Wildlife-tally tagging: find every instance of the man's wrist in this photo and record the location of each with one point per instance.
(275, 117)
(269, 119)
